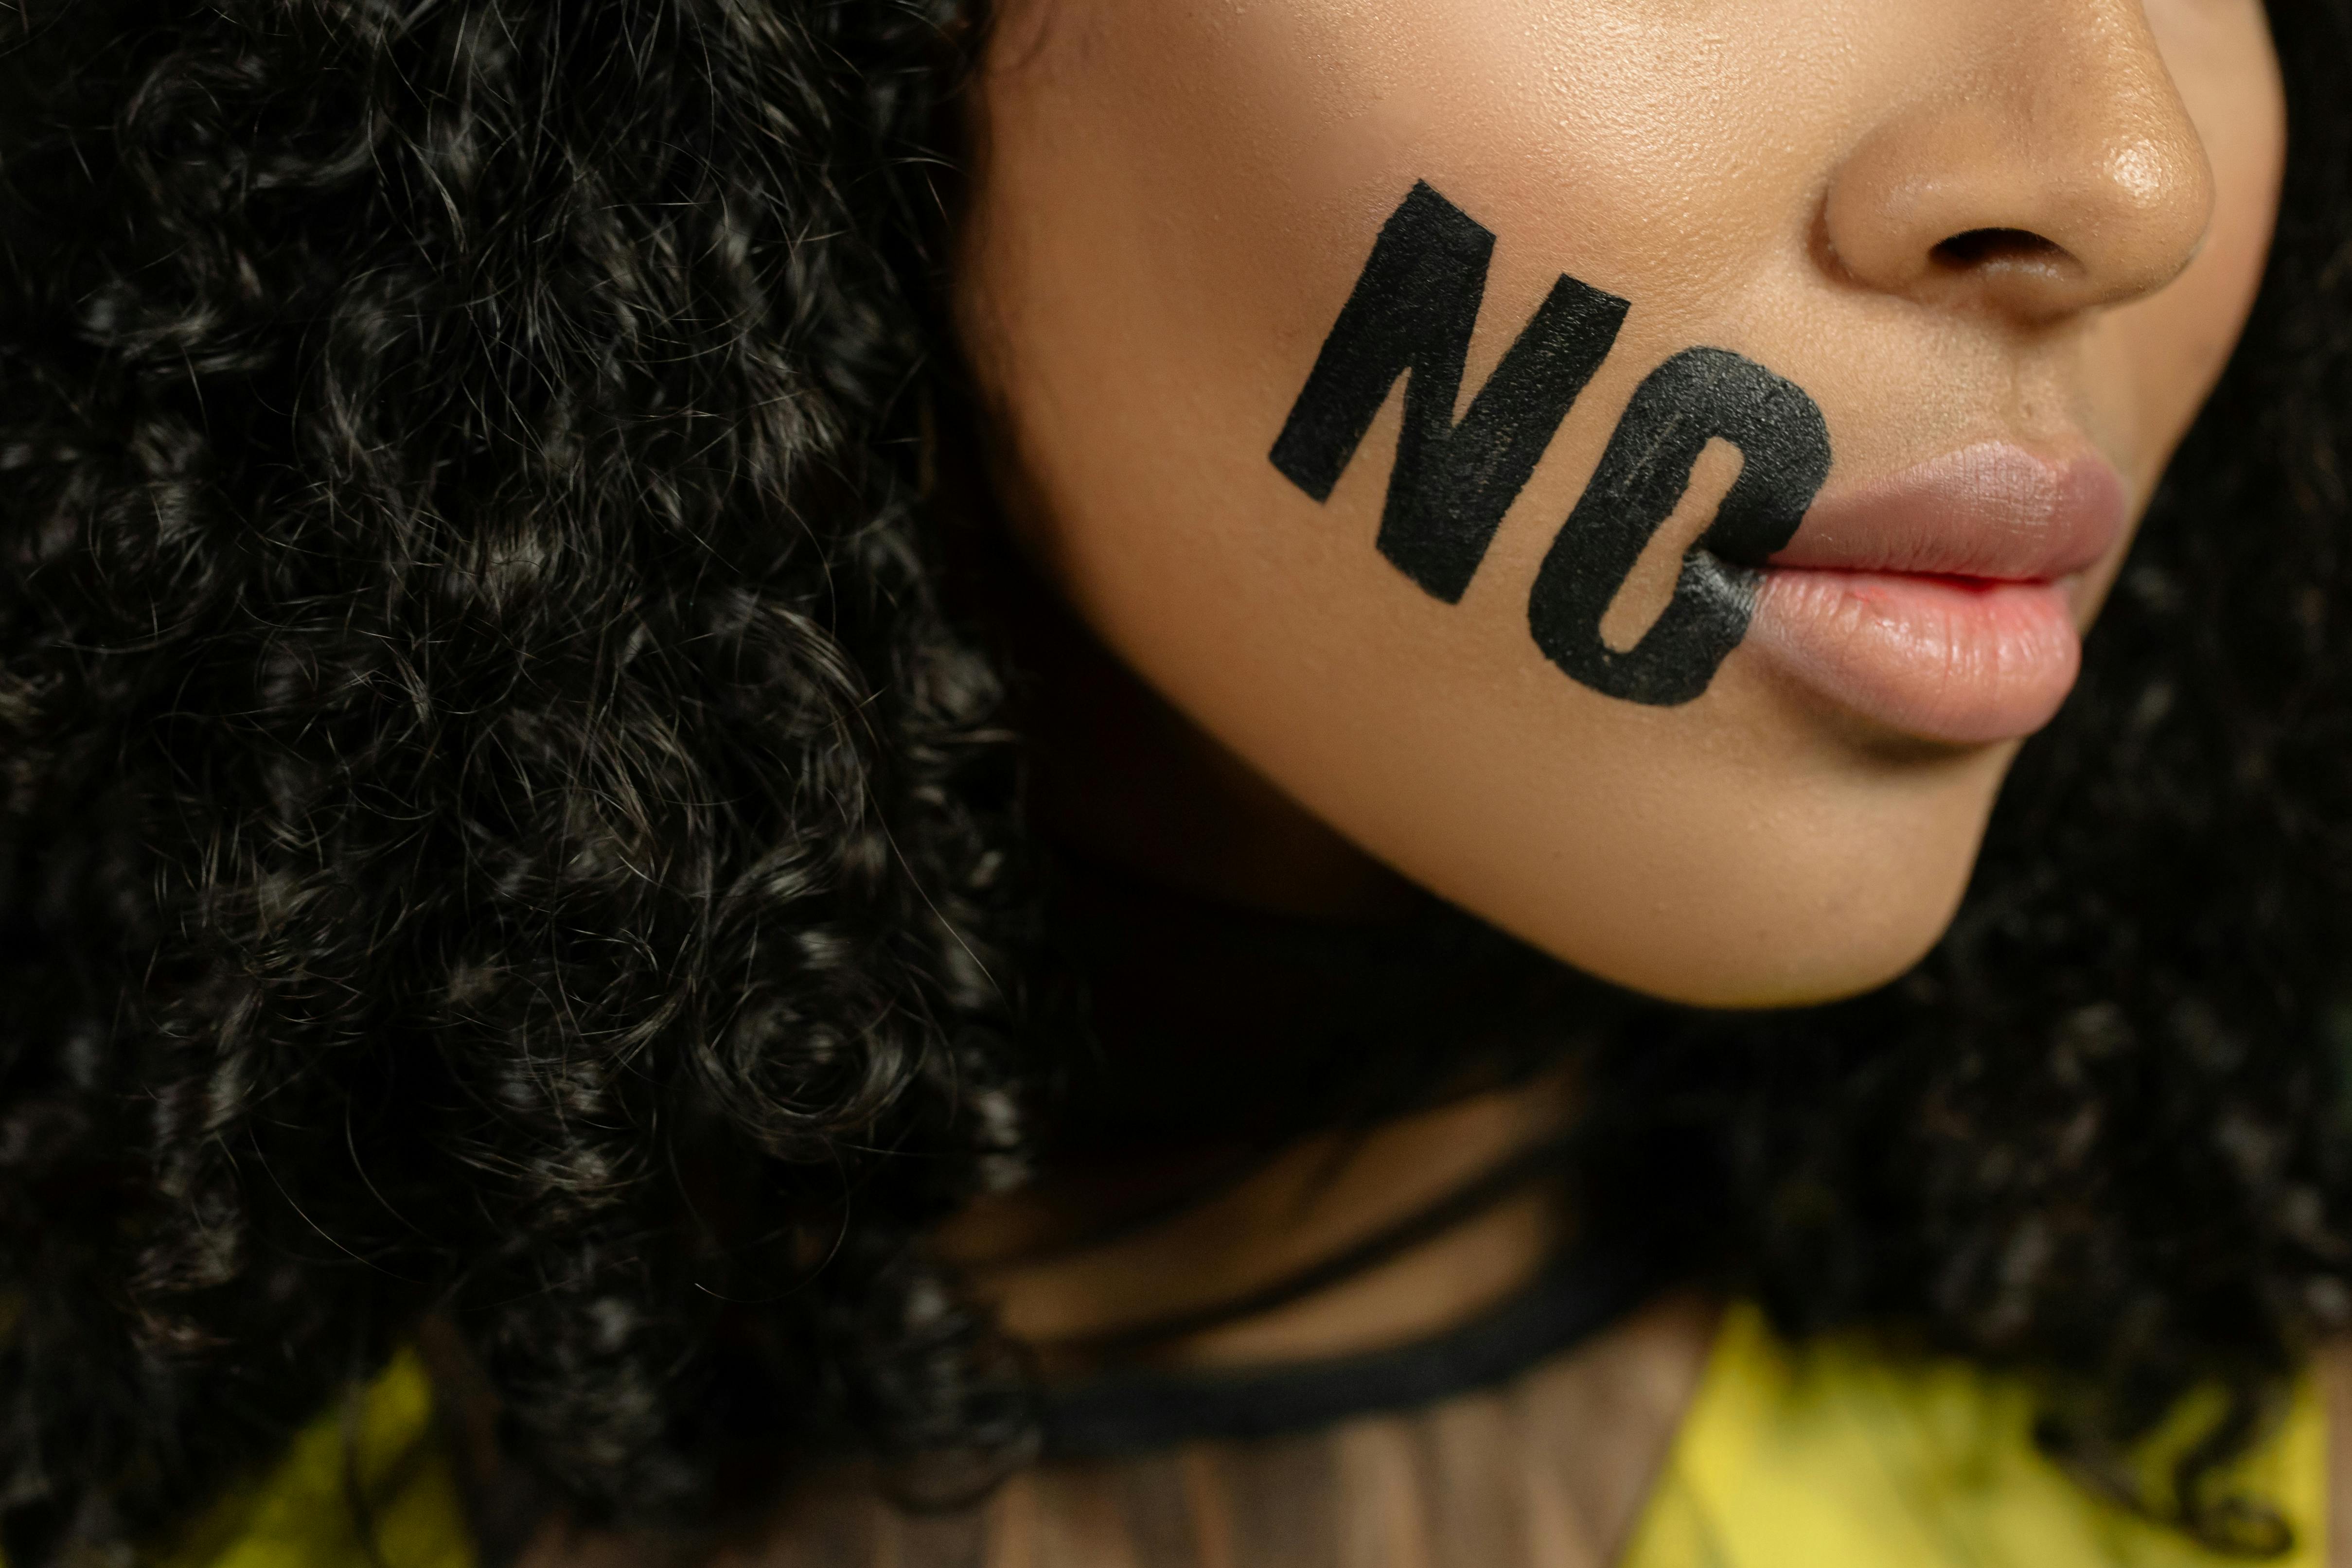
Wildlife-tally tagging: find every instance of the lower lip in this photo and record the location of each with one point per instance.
(1958, 659)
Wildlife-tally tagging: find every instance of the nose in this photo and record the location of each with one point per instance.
(2053, 169)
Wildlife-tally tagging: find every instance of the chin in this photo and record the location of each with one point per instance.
(1799, 970)
(1750, 958)
(1803, 900)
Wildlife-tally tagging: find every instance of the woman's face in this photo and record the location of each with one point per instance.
(1684, 615)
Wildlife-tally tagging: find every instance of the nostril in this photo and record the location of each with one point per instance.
(1983, 248)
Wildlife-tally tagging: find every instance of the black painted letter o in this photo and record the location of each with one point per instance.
(1698, 394)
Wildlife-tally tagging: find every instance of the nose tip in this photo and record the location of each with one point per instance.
(2038, 198)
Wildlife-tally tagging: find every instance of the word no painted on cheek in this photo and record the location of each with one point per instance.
(1412, 310)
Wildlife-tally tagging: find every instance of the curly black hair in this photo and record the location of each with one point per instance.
(496, 821)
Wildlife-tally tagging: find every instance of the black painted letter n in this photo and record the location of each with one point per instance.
(1414, 309)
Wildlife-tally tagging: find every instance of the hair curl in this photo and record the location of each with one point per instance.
(496, 821)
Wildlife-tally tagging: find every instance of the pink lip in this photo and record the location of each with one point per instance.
(1939, 601)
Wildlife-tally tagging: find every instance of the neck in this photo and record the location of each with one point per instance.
(1249, 973)
(1084, 1303)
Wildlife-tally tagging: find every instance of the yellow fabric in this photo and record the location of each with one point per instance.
(1828, 1456)
(1834, 1457)
(301, 1516)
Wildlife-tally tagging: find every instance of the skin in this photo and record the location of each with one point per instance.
(1172, 201)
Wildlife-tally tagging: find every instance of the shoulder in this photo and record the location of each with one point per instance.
(1843, 1453)
(1687, 1437)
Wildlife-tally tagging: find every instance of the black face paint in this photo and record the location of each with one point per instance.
(1413, 309)
(1698, 394)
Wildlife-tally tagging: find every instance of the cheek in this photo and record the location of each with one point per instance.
(1151, 265)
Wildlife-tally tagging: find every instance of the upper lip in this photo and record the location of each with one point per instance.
(1993, 511)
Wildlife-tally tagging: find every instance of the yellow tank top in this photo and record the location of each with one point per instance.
(1826, 1455)
(1831, 1455)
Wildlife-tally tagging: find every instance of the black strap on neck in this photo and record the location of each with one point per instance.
(1486, 1190)
(1578, 1296)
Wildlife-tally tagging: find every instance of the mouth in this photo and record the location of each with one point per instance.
(1943, 601)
